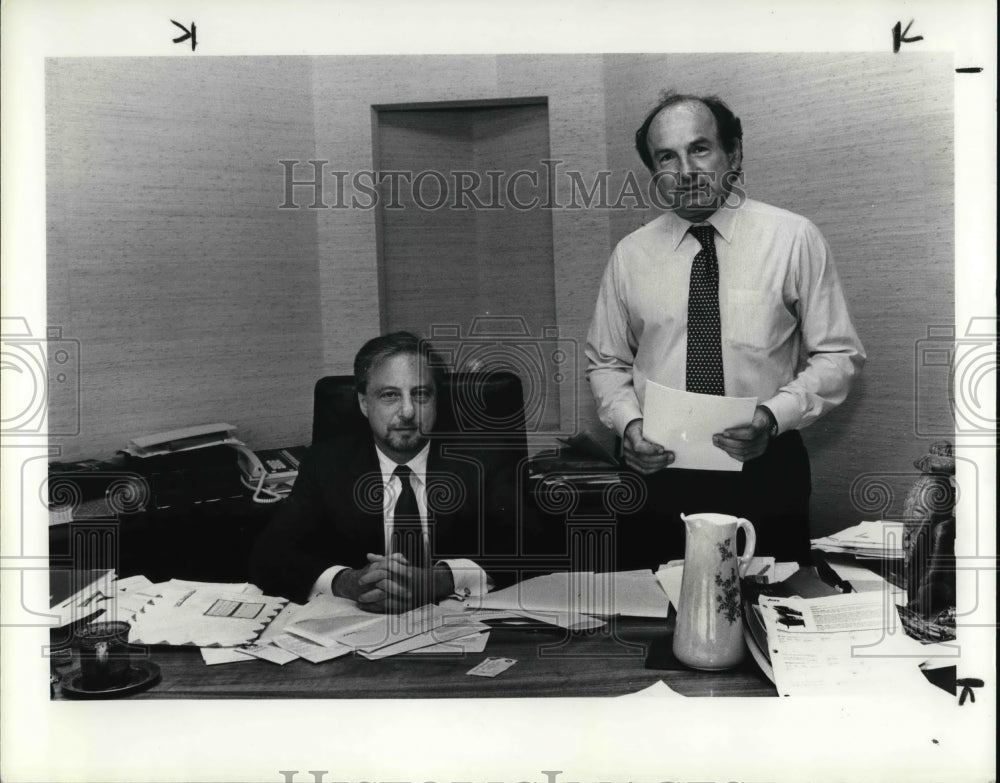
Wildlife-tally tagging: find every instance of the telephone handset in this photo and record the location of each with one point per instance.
(265, 471)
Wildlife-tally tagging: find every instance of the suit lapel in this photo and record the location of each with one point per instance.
(452, 497)
(364, 497)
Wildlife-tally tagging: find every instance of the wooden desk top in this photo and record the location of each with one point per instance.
(605, 662)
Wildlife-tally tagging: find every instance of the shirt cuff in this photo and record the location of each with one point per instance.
(324, 584)
(786, 411)
(623, 414)
(469, 578)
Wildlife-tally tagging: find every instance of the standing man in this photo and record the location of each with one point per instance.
(719, 295)
(388, 520)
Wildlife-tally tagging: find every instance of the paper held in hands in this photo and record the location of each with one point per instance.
(684, 423)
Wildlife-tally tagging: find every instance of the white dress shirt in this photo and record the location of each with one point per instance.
(469, 578)
(787, 337)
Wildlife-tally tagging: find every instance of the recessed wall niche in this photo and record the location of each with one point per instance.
(464, 236)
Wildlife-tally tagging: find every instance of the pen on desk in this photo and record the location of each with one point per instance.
(830, 576)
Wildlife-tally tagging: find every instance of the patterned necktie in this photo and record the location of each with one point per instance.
(704, 343)
(407, 531)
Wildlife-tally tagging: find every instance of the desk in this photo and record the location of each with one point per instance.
(605, 662)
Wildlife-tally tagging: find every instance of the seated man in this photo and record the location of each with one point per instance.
(389, 520)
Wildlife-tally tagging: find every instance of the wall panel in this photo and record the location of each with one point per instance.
(193, 297)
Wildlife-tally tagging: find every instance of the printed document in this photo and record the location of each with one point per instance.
(851, 643)
(562, 598)
(684, 423)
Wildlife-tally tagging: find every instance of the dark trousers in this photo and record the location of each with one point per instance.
(771, 491)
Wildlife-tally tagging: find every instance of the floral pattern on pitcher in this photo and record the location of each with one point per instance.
(729, 601)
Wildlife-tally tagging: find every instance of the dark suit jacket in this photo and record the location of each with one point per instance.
(334, 515)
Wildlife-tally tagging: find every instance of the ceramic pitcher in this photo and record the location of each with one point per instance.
(709, 631)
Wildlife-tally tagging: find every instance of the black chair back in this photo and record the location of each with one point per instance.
(477, 408)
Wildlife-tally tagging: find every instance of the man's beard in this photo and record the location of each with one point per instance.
(406, 441)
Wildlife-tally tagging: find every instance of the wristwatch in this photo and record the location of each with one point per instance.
(772, 430)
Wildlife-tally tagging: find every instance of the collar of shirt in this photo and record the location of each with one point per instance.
(392, 486)
(418, 464)
(723, 220)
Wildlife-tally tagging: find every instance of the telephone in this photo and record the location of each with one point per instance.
(270, 473)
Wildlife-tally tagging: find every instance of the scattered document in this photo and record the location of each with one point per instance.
(312, 652)
(270, 652)
(670, 577)
(509, 618)
(881, 540)
(842, 644)
(464, 645)
(277, 625)
(783, 571)
(274, 635)
(633, 593)
(684, 423)
(340, 626)
(132, 583)
(394, 628)
(125, 606)
(566, 596)
(202, 616)
(326, 619)
(572, 621)
(864, 580)
(442, 634)
(229, 587)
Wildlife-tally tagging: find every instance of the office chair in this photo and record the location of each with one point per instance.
(480, 417)
(476, 411)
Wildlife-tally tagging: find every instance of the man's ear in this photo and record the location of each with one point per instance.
(363, 404)
(736, 157)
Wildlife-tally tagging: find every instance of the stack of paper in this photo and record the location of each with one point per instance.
(186, 439)
(844, 643)
(340, 625)
(274, 645)
(326, 618)
(882, 540)
(428, 626)
(329, 627)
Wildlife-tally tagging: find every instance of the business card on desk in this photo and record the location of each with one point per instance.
(491, 667)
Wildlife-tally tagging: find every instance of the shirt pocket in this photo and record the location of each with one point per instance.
(756, 319)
